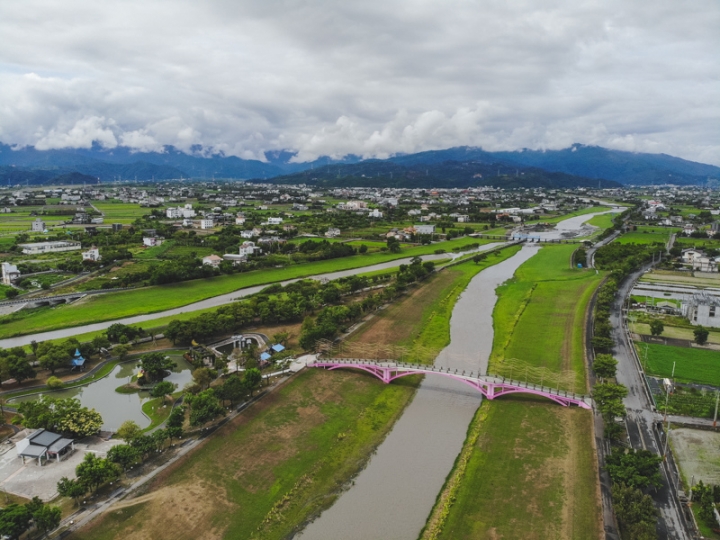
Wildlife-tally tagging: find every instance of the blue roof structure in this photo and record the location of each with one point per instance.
(77, 353)
(78, 362)
(265, 356)
(278, 348)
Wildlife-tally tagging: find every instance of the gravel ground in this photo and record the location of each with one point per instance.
(698, 454)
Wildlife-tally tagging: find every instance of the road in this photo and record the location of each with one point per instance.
(641, 419)
(216, 301)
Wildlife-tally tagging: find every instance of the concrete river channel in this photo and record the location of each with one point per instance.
(393, 496)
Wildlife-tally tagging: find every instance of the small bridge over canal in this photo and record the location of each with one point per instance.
(488, 385)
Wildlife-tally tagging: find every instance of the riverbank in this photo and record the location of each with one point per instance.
(527, 468)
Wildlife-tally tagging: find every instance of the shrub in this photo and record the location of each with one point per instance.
(54, 383)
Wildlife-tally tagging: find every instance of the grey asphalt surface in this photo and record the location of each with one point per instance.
(641, 420)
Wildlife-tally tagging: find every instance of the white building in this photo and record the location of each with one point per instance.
(248, 248)
(240, 220)
(246, 234)
(92, 254)
(375, 213)
(206, 223)
(703, 310)
(173, 213)
(332, 232)
(38, 225)
(275, 221)
(152, 241)
(425, 229)
(10, 273)
(38, 248)
(212, 260)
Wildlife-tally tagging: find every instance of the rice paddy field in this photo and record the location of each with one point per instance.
(692, 364)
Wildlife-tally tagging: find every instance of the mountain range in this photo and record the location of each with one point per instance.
(576, 166)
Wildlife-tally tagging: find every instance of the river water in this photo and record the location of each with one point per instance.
(393, 496)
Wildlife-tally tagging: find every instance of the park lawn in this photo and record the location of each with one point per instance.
(691, 364)
(158, 410)
(121, 304)
(271, 468)
(530, 473)
(539, 319)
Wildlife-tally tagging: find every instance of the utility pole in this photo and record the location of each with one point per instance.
(717, 399)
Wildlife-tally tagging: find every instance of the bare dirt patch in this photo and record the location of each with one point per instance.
(697, 453)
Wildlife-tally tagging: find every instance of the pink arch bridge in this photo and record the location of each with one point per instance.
(488, 385)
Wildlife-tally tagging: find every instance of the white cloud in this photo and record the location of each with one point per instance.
(371, 78)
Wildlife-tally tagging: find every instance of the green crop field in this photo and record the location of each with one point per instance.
(644, 236)
(540, 313)
(691, 364)
(604, 221)
(117, 212)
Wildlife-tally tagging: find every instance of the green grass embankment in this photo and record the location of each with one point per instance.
(528, 469)
(121, 304)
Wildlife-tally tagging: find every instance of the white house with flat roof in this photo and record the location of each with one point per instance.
(10, 273)
(38, 225)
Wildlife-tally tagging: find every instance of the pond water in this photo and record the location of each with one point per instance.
(114, 407)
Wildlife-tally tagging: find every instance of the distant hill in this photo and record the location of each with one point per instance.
(446, 174)
(29, 165)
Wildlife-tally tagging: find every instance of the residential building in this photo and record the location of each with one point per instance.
(275, 221)
(152, 241)
(240, 220)
(424, 229)
(38, 248)
(212, 260)
(206, 223)
(92, 254)
(702, 309)
(332, 232)
(248, 248)
(10, 273)
(375, 213)
(38, 225)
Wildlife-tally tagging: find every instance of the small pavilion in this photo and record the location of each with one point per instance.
(78, 361)
(44, 444)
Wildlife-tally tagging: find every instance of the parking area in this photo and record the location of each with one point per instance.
(32, 480)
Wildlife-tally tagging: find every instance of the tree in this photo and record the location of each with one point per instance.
(252, 379)
(232, 390)
(54, 357)
(121, 351)
(362, 249)
(608, 398)
(54, 383)
(202, 377)
(162, 389)
(101, 342)
(480, 257)
(94, 471)
(603, 344)
(124, 455)
(128, 431)
(71, 488)
(701, 335)
(605, 366)
(204, 407)
(14, 520)
(635, 512)
(76, 420)
(19, 368)
(393, 245)
(47, 518)
(11, 293)
(634, 468)
(656, 327)
(155, 366)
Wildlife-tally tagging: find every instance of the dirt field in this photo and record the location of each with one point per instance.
(698, 454)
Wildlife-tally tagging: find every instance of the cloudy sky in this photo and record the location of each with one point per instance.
(370, 77)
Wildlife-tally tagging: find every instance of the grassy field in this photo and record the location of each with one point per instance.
(530, 475)
(118, 212)
(159, 298)
(604, 221)
(646, 235)
(691, 364)
(268, 470)
(539, 316)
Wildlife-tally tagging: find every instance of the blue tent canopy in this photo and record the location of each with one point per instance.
(78, 362)
(278, 348)
(265, 356)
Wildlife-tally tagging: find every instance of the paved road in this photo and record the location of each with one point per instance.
(641, 418)
(217, 300)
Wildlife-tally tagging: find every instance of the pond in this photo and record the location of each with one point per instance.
(114, 407)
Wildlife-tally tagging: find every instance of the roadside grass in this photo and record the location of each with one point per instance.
(531, 474)
(271, 468)
(691, 364)
(159, 298)
(540, 313)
